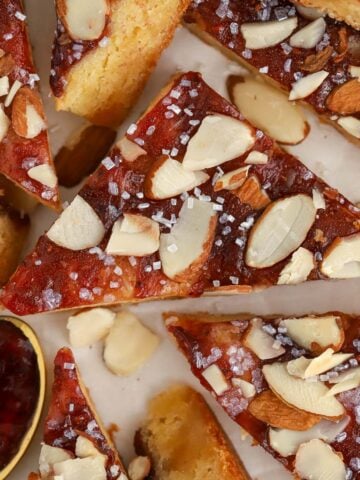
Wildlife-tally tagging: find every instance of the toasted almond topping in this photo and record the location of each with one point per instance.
(315, 460)
(268, 408)
(89, 468)
(267, 34)
(129, 344)
(280, 230)
(318, 199)
(186, 248)
(252, 194)
(44, 174)
(168, 178)
(345, 381)
(215, 378)
(83, 20)
(7, 64)
(305, 367)
(130, 150)
(134, 234)
(309, 12)
(257, 158)
(351, 125)
(139, 468)
(310, 35)
(345, 99)
(4, 85)
(13, 91)
(269, 109)
(354, 71)
(27, 114)
(301, 394)
(232, 180)
(316, 333)
(247, 389)
(342, 258)
(49, 456)
(86, 328)
(305, 86)
(78, 227)
(219, 139)
(317, 61)
(286, 442)
(4, 123)
(298, 268)
(260, 342)
(86, 448)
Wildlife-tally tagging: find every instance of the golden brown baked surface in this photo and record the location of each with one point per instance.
(104, 83)
(344, 10)
(185, 441)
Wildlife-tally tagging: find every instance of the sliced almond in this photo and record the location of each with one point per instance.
(186, 248)
(252, 194)
(309, 12)
(345, 381)
(267, 34)
(351, 125)
(134, 235)
(257, 158)
(318, 199)
(305, 86)
(280, 230)
(86, 328)
(4, 123)
(342, 258)
(317, 61)
(4, 85)
(216, 379)
(310, 35)
(219, 139)
(78, 227)
(286, 442)
(232, 180)
(90, 468)
(301, 394)
(168, 178)
(315, 460)
(260, 342)
(305, 367)
(7, 64)
(83, 20)
(129, 344)
(298, 269)
(27, 114)
(247, 389)
(139, 468)
(131, 151)
(43, 174)
(86, 448)
(345, 99)
(268, 408)
(315, 332)
(49, 456)
(269, 109)
(15, 87)
(354, 71)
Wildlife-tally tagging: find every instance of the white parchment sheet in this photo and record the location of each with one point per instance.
(123, 400)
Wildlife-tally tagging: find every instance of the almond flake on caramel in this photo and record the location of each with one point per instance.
(25, 98)
(7, 64)
(345, 99)
(252, 194)
(315, 62)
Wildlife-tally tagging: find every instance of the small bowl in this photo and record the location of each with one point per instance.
(26, 439)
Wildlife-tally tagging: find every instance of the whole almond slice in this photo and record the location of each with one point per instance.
(4, 123)
(305, 86)
(232, 180)
(345, 99)
(216, 379)
(168, 178)
(27, 114)
(260, 342)
(131, 151)
(286, 442)
(268, 408)
(316, 460)
(280, 230)
(90, 326)
(78, 227)
(309, 12)
(316, 333)
(4, 85)
(298, 269)
(351, 125)
(253, 194)
(301, 394)
(310, 35)
(50, 455)
(354, 71)
(186, 248)
(267, 34)
(90, 468)
(345, 381)
(342, 258)
(219, 139)
(269, 109)
(43, 174)
(257, 158)
(83, 20)
(247, 389)
(134, 234)
(305, 367)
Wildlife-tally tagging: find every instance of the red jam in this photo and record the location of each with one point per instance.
(19, 389)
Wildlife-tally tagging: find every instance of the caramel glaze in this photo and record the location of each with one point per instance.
(17, 153)
(19, 389)
(46, 281)
(345, 53)
(70, 413)
(194, 338)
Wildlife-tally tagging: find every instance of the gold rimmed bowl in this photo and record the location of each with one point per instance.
(22, 390)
